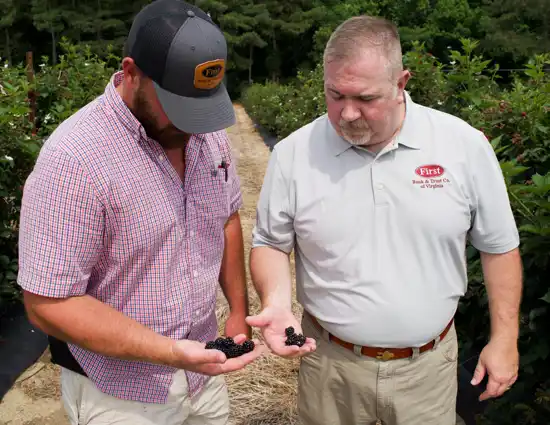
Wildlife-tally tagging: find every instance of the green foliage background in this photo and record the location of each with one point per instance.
(272, 39)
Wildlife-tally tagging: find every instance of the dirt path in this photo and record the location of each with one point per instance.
(262, 394)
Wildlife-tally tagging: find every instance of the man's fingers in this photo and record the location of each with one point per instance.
(239, 339)
(492, 390)
(293, 351)
(232, 365)
(479, 373)
(237, 363)
(259, 321)
(311, 344)
(212, 356)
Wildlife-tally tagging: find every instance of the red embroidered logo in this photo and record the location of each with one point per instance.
(430, 171)
(430, 177)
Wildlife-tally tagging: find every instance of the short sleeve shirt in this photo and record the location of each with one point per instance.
(105, 214)
(380, 239)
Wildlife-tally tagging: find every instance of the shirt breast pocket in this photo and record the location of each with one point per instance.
(211, 208)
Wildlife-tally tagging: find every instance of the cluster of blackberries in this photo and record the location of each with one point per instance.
(293, 338)
(229, 347)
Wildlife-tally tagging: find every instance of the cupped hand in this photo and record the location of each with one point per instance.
(193, 356)
(272, 322)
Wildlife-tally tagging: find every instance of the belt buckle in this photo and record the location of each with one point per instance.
(385, 356)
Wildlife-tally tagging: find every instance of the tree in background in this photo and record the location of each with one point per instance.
(270, 39)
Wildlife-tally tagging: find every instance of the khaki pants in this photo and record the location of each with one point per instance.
(337, 387)
(86, 405)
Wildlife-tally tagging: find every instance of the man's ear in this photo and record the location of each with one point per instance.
(403, 79)
(132, 74)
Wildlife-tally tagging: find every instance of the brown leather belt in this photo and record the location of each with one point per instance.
(383, 353)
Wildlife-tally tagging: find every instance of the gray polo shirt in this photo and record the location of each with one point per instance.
(380, 239)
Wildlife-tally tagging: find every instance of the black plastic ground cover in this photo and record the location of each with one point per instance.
(21, 345)
(467, 403)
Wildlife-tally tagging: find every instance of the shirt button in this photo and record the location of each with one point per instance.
(196, 273)
(380, 186)
(191, 233)
(161, 158)
(197, 313)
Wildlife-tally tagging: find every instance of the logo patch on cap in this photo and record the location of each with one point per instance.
(209, 75)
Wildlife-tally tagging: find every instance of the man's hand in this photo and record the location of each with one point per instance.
(500, 360)
(273, 321)
(193, 356)
(236, 324)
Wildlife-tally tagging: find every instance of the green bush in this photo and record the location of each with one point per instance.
(62, 89)
(281, 109)
(516, 120)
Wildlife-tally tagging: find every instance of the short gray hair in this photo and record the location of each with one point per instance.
(363, 32)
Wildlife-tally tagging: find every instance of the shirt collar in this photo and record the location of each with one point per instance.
(120, 109)
(405, 136)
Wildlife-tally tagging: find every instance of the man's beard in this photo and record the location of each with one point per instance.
(357, 132)
(168, 137)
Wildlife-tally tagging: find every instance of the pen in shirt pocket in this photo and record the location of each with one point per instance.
(224, 165)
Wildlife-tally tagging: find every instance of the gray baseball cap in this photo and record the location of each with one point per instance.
(184, 52)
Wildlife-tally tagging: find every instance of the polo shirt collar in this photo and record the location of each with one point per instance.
(405, 137)
(338, 144)
(120, 109)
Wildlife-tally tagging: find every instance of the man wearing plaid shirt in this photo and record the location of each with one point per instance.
(130, 222)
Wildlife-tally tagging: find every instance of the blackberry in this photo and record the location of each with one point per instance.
(229, 347)
(234, 351)
(248, 346)
(294, 338)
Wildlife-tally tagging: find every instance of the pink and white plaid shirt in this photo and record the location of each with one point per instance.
(105, 214)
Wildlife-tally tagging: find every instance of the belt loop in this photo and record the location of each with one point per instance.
(436, 342)
(416, 353)
(357, 349)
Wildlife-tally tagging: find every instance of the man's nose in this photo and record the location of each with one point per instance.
(350, 111)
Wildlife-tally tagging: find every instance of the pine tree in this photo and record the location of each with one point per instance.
(6, 21)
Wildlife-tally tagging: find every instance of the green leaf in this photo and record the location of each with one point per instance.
(496, 141)
(530, 228)
(539, 180)
(546, 298)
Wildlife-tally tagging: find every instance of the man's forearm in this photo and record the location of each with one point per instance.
(503, 279)
(270, 271)
(233, 273)
(97, 327)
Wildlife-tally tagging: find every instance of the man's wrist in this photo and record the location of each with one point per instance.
(241, 311)
(167, 353)
(506, 335)
(277, 303)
